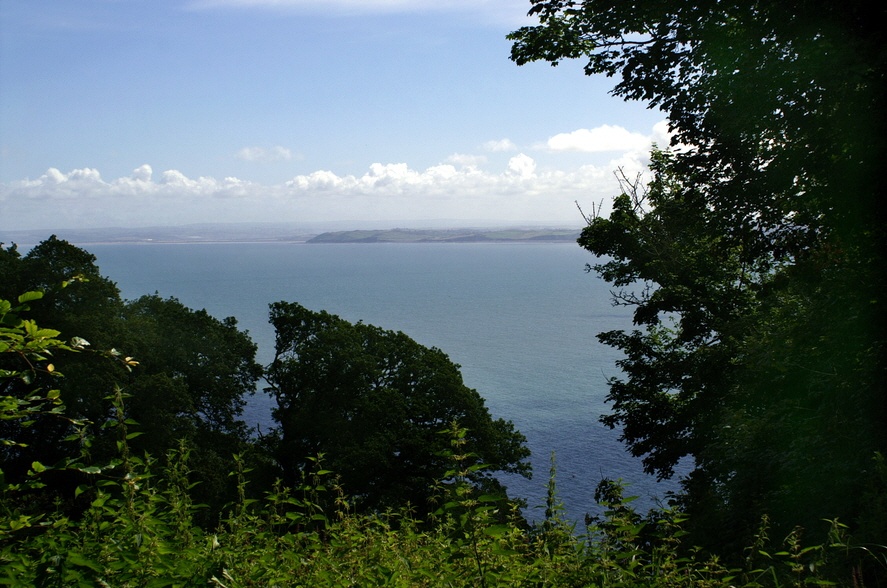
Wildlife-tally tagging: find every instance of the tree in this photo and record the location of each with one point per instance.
(210, 359)
(193, 375)
(92, 300)
(26, 360)
(374, 404)
(77, 301)
(780, 104)
(754, 256)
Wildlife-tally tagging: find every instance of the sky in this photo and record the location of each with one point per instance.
(130, 113)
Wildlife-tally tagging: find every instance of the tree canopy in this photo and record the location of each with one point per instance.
(193, 374)
(779, 104)
(374, 403)
(754, 254)
(138, 522)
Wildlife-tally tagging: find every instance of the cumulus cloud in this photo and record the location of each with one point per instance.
(142, 173)
(519, 191)
(522, 166)
(661, 134)
(262, 154)
(600, 139)
(500, 145)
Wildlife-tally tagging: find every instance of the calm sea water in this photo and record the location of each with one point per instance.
(520, 319)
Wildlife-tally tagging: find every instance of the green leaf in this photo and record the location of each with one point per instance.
(30, 296)
(496, 530)
(78, 559)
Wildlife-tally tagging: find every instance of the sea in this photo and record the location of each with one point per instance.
(519, 318)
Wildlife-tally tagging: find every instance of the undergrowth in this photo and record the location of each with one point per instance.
(133, 524)
(137, 529)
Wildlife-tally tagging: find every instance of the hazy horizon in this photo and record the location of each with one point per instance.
(116, 114)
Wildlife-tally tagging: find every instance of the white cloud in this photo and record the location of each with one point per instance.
(600, 139)
(466, 160)
(262, 154)
(522, 165)
(500, 145)
(54, 176)
(519, 191)
(661, 134)
(142, 173)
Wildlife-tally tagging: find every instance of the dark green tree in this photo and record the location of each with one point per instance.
(374, 403)
(193, 375)
(89, 307)
(91, 300)
(754, 257)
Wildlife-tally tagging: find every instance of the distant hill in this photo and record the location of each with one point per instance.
(447, 236)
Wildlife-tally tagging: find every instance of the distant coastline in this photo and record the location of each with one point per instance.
(447, 236)
(281, 233)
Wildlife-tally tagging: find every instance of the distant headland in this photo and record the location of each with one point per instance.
(446, 236)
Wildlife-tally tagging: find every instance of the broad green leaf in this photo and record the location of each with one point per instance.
(30, 296)
(496, 530)
(78, 559)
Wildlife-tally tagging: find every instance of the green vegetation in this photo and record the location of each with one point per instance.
(112, 506)
(374, 403)
(193, 375)
(753, 258)
(136, 521)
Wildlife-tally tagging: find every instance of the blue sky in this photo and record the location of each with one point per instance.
(406, 112)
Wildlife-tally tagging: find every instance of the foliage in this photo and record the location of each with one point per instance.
(138, 530)
(49, 267)
(138, 523)
(26, 351)
(193, 375)
(26, 354)
(373, 402)
(753, 257)
(779, 104)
